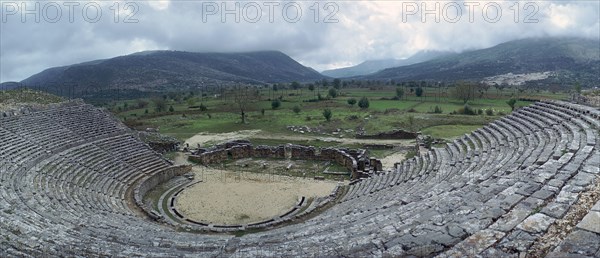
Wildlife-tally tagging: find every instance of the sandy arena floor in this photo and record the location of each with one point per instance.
(223, 198)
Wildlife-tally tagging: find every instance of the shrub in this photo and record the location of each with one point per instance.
(296, 109)
(351, 101)
(171, 109)
(142, 103)
(352, 117)
(390, 110)
(489, 112)
(327, 114)
(332, 93)
(363, 103)
(275, 104)
(480, 111)
(419, 92)
(437, 110)
(466, 110)
(202, 107)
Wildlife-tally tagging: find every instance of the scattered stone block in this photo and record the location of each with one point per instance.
(537, 223)
(591, 222)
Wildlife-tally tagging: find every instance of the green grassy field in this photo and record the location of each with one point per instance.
(383, 114)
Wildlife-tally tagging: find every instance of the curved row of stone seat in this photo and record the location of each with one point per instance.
(506, 185)
(82, 186)
(458, 153)
(474, 196)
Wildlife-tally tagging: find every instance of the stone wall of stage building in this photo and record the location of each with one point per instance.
(263, 151)
(302, 152)
(353, 160)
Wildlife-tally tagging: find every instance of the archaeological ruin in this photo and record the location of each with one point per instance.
(73, 177)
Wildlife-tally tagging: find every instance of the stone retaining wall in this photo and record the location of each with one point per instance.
(395, 134)
(163, 147)
(149, 183)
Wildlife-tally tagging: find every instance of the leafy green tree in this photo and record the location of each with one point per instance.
(191, 102)
(332, 93)
(295, 85)
(311, 87)
(275, 104)
(511, 103)
(419, 92)
(363, 103)
(351, 101)
(399, 92)
(577, 88)
(337, 83)
(464, 91)
(160, 105)
(327, 114)
(171, 109)
(296, 109)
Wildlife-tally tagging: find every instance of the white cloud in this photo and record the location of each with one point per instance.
(160, 4)
(365, 30)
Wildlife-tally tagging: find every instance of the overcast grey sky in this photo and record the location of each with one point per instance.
(339, 34)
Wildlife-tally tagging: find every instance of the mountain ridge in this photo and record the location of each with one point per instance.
(372, 66)
(573, 60)
(175, 70)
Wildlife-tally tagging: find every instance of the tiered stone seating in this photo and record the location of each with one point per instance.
(65, 173)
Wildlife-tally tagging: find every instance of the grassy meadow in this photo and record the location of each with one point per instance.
(384, 113)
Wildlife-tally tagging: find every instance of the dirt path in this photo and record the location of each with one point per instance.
(213, 138)
(204, 138)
